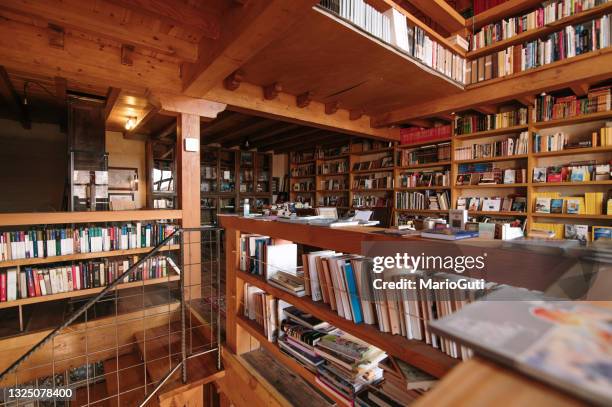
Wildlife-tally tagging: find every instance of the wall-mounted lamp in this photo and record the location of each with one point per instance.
(130, 123)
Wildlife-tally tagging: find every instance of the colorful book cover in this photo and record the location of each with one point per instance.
(353, 294)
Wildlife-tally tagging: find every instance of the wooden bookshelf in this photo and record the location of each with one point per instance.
(425, 165)
(570, 216)
(573, 151)
(433, 187)
(425, 143)
(415, 352)
(499, 12)
(85, 292)
(584, 118)
(570, 184)
(541, 31)
(489, 186)
(55, 218)
(499, 213)
(82, 256)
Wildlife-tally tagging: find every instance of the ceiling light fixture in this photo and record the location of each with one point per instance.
(130, 123)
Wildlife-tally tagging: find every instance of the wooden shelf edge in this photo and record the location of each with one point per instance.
(54, 218)
(425, 143)
(81, 256)
(426, 165)
(573, 151)
(501, 158)
(517, 185)
(85, 292)
(571, 216)
(414, 352)
(568, 121)
(495, 132)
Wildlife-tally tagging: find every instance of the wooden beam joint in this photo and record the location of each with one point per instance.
(232, 82)
(304, 99)
(56, 36)
(271, 91)
(126, 54)
(355, 114)
(331, 107)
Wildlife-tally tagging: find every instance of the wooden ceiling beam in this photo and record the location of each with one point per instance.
(174, 104)
(12, 99)
(213, 137)
(243, 130)
(153, 110)
(294, 137)
(441, 12)
(111, 100)
(80, 15)
(248, 100)
(204, 19)
(165, 131)
(24, 47)
(580, 89)
(587, 68)
(246, 31)
(279, 129)
(296, 145)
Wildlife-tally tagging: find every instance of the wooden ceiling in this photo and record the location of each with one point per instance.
(323, 55)
(233, 129)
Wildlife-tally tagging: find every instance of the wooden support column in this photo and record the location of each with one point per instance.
(237, 339)
(188, 169)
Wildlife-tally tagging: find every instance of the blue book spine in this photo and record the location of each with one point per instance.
(353, 295)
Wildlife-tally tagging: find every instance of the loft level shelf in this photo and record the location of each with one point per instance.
(385, 169)
(54, 218)
(82, 256)
(574, 120)
(417, 353)
(496, 132)
(542, 31)
(499, 12)
(85, 292)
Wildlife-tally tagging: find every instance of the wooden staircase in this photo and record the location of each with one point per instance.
(126, 376)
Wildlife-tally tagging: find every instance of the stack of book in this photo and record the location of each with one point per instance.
(333, 184)
(29, 282)
(302, 157)
(333, 200)
(414, 135)
(577, 171)
(548, 107)
(502, 148)
(384, 162)
(331, 152)
(49, 242)
(473, 123)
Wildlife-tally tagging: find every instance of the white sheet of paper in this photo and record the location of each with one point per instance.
(362, 215)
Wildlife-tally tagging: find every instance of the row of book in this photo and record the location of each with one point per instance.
(427, 178)
(425, 154)
(379, 180)
(303, 170)
(371, 201)
(472, 123)
(591, 203)
(495, 65)
(583, 233)
(493, 204)
(334, 167)
(303, 186)
(331, 152)
(366, 145)
(333, 200)
(549, 12)
(333, 184)
(299, 157)
(379, 163)
(423, 200)
(414, 135)
(549, 107)
(579, 171)
(360, 13)
(501, 148)
(567, 43)
(506, 176)
(29, 282)
(49, 242)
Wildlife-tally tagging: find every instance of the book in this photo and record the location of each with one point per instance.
(539, 174)
(305, 318)
(556, 205)
(602, 232)
(486, 230)
(542, 205)
(545, 340)
(448, 234)
(457, 218)
(577, 232)
(574, 205)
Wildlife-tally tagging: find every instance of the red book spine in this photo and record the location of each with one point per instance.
(40, 281)
(74, 278)
(30, 280)
(3, 287)
(36, 283)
